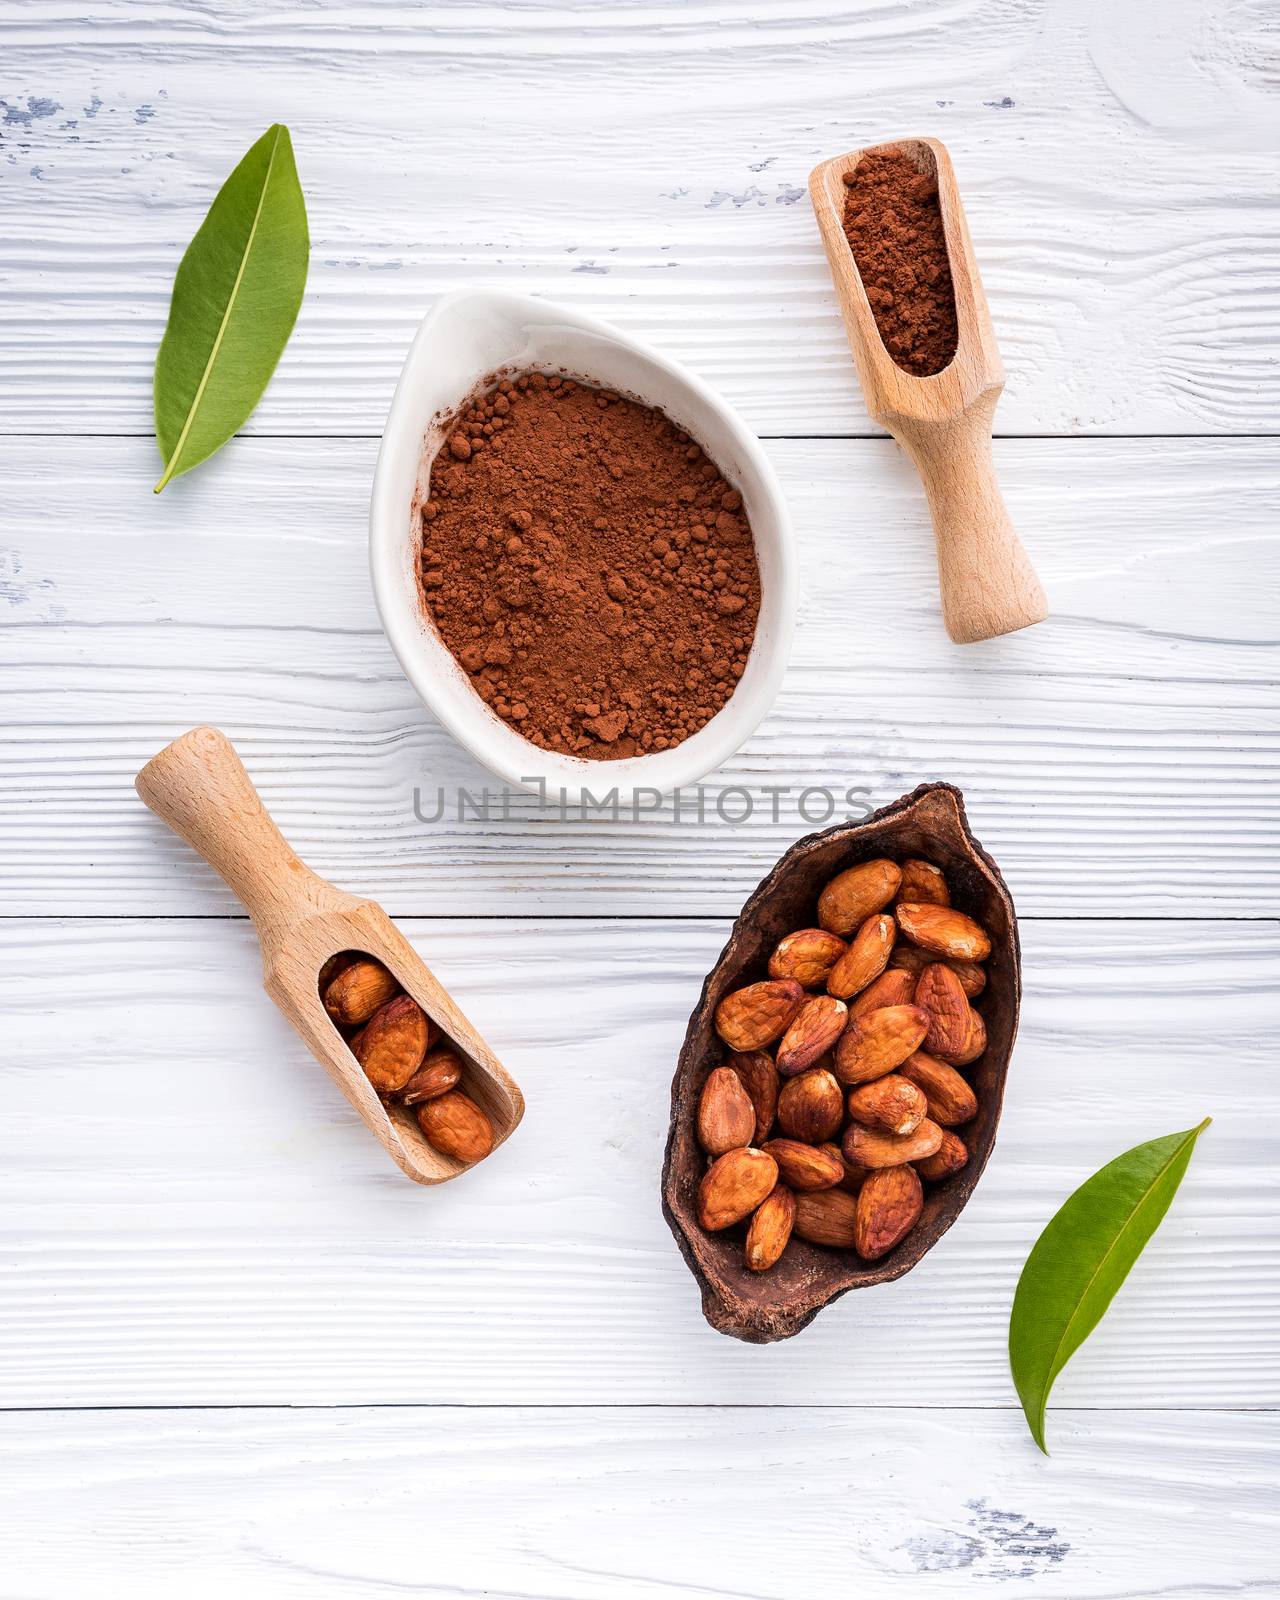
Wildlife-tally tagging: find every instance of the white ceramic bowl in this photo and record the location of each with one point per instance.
(468, 336)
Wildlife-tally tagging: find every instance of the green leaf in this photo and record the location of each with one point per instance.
(1083, 1257)
(235, 300)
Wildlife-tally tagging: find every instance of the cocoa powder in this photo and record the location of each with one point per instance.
(894, 227)
(589, 568)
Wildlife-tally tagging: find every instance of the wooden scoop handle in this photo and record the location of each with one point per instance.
(988, 584)
(199, 786)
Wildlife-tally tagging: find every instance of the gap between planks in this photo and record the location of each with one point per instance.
(1082, 436)
(630, 1405)
(554, 916)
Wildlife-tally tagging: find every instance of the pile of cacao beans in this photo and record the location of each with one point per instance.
(843, 1090)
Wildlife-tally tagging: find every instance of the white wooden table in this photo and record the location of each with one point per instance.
(239, 1353)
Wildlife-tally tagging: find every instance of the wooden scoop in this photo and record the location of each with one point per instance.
(943, 422)
(200, 788)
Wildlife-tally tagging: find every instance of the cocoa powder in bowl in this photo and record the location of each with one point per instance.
(588, 566)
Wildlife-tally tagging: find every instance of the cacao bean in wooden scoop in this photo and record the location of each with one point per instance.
(200, 788)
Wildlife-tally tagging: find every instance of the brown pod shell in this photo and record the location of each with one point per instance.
(949, 1157)
(750, 1018)
(358, 990)
(891, 1104)
(866, 957)
(867, 1147)
(804, 1167)
(811, 1107)
(878, 1041)
(924, 884)
(392, 1043)
(726, 1116)
(770, 1229)
(441, 1070)
(759, 1077)
(951, 1099)
(939, 992)
(456, 1126)
(892, 988)
(889, 1206)
(733, 1186)
(828, 1218)
(817, 1025)
(944, 930)
(853, 895)
(807, 955)
(761, 1307)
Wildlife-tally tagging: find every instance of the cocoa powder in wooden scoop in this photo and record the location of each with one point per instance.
(881, 228)
(893, 222)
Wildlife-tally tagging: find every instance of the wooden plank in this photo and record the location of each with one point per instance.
(649, 162)
(190, 1214)
(574, 1504)
(1119, 759)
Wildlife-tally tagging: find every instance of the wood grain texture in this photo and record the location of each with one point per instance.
(575, 1504)
(1118, 760)
(191, 1214)
(649, 161)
